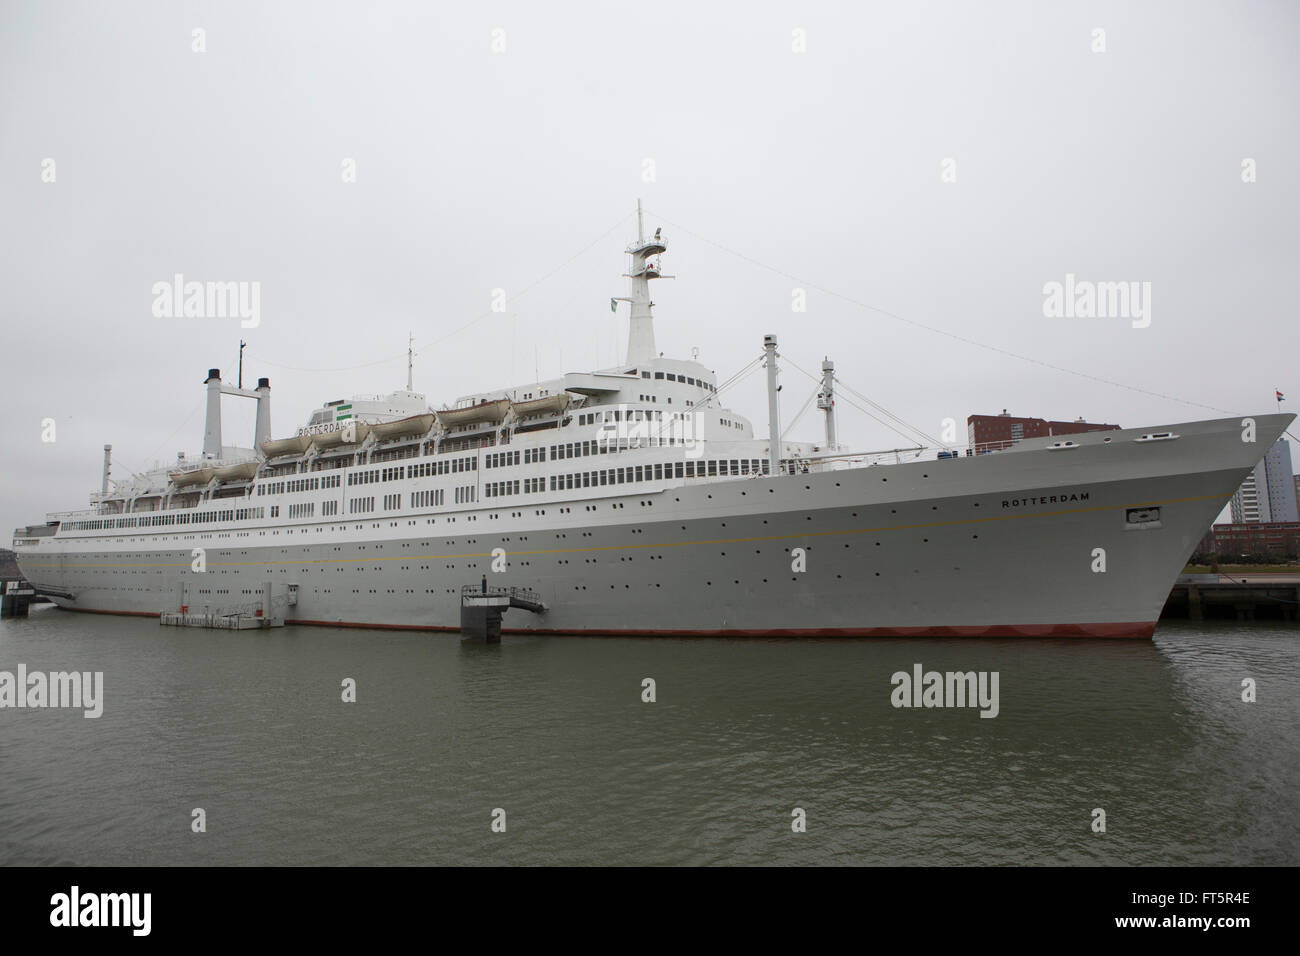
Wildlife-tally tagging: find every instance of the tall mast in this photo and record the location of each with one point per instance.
(645, 266)
(826, 401)
(773, 405)
(410, 361)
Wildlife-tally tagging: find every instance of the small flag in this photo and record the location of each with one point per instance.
(1279, 395)
(613, 305)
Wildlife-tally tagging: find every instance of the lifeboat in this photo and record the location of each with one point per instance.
(275, 447)
(489, 411)
(348, 434)
(548, 405)
(198, 476)
(241, 470)
(404, 427)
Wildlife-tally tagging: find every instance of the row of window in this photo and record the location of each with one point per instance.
(426, 499)
(501, 459)
(674, 377)
(495, 489)
(465, 494)
(660, 471)
(602, 446)
(444, 466)
(164, 520)
(299, 484)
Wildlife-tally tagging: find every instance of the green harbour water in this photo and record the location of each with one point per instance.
(251, 727)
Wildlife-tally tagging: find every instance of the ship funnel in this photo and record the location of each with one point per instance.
(212, 429)
(262, 430)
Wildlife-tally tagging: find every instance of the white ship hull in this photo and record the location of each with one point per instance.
(1029, 541)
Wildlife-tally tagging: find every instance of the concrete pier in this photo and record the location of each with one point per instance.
(15, 598)
(1244, 597)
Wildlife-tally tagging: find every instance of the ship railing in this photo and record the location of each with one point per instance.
(279, 604)
(831, 461)
(82, 513)
(523, 594)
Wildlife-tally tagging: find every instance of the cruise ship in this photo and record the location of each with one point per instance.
(631, 500)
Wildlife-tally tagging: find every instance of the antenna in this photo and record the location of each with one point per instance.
(640, 223)
(242, 343)
(410, 360)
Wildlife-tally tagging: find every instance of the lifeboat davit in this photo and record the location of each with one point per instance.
(197, 476)
(348, 434)
(404, 427)
(235, 472)
(547, 405)
(275, 447)
(489, 411)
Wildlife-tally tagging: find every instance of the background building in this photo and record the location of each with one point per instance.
(999, 431)
(1268, 495)
(1246, 543)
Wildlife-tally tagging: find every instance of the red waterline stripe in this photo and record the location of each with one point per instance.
(1137, 630)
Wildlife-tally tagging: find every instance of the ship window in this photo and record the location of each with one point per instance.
(645, 374)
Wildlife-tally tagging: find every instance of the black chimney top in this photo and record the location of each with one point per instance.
(263, 383)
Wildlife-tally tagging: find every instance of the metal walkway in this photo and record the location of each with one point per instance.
(481, 608)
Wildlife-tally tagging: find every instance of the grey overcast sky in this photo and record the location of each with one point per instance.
(495, 144)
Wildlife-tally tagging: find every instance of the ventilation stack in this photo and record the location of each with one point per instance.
(262, 430)
(212, 429)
